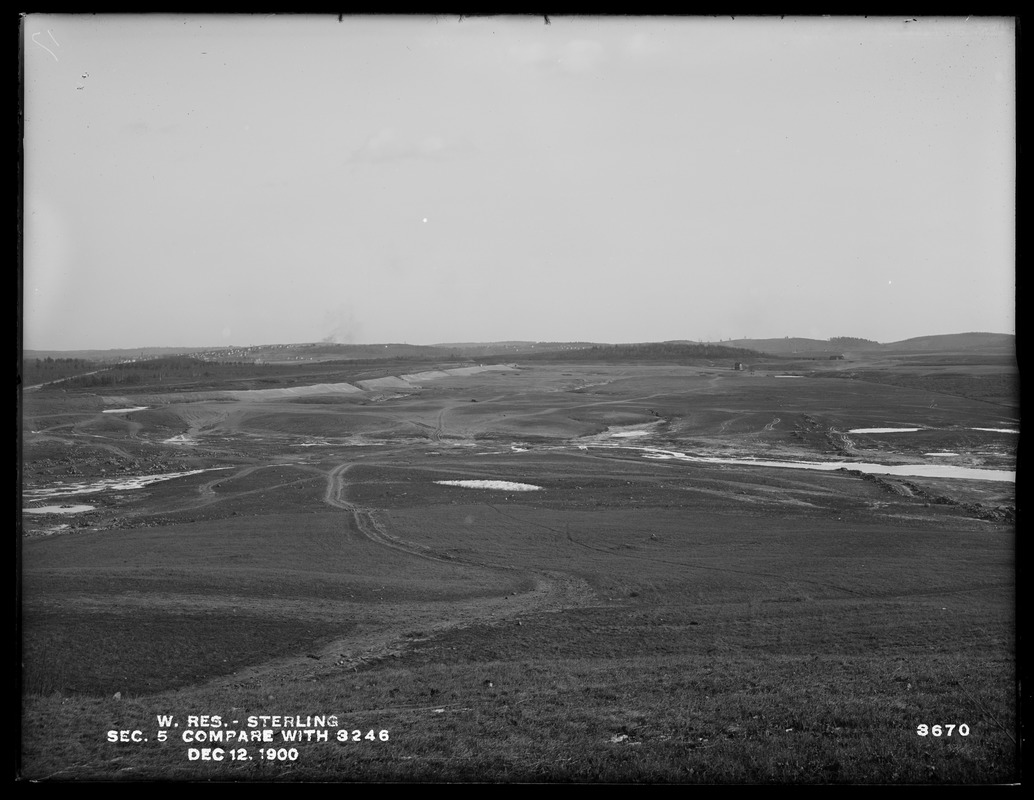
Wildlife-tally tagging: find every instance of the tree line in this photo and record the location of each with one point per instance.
(654, 351)
(44, 370)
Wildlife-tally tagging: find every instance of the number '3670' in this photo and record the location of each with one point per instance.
(943, 730)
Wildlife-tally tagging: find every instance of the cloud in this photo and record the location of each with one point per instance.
(642, 45)
(142, 127)
(535, 53)
(388, 145)
(578, 56)
(581, 55)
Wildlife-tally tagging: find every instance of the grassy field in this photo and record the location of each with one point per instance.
(315, 605)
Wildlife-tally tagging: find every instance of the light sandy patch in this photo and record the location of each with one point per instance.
(464, 371)
(293, 391)
(390, 382)
(622, 432)
(430, 375)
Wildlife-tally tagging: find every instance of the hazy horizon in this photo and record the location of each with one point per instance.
(458, 342)
(196, 180)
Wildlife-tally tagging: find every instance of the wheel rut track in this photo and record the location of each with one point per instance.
(386, 629)
(368, 526)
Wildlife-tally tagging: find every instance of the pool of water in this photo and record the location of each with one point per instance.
(913, 430)
(507, 486)
(66, 509)
(108, 484)
(884, 430)
(905, 470)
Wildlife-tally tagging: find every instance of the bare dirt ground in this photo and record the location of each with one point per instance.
(323, 561)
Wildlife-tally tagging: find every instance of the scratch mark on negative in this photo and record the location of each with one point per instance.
(37, 33)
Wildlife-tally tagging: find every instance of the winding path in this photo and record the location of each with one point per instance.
(364, 521)
(387, 629)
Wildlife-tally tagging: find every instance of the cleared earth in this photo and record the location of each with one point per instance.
(373, 561)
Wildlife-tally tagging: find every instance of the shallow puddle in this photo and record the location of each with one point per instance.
(109, 484)
(931, 430)
(508, 486)
(77, 509)
(884, 430)
(906, 470)
(179, 439)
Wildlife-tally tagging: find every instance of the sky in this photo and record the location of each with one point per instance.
(206, 180)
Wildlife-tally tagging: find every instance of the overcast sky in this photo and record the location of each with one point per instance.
(209, 180)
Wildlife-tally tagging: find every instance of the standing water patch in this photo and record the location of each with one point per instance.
(109, 484)
(66, 509)
(508, 486)
(884, 430)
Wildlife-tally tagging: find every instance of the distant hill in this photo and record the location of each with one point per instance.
(331, 351)
(679, 349)
(122, 354)
(956, 342)
(672, 352)
(952, 342)
(479, 349)
(798, 346)
(318, 351)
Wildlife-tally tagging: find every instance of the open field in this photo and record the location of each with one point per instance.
(669, 605)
